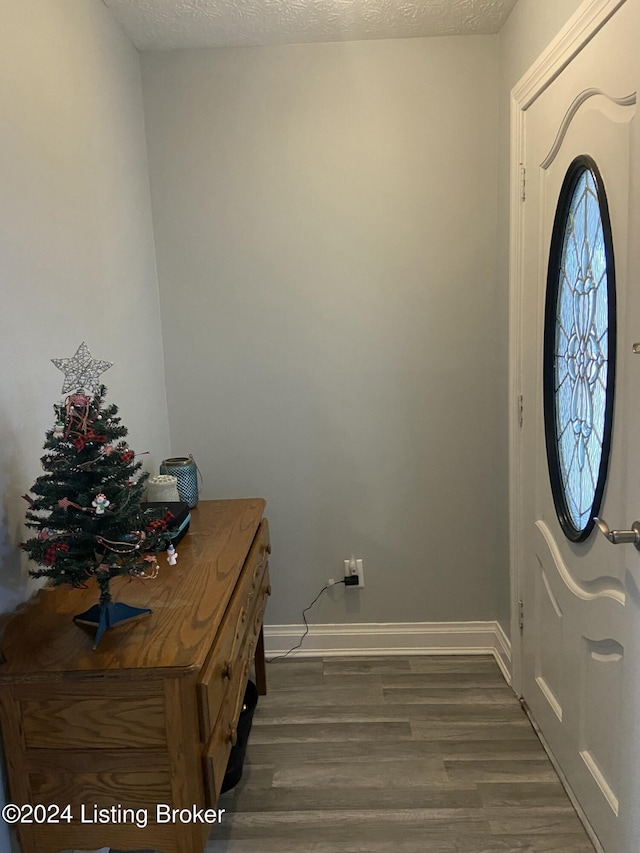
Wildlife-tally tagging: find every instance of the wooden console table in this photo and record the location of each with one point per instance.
(149, 717)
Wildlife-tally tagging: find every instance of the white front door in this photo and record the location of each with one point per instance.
(578, 660)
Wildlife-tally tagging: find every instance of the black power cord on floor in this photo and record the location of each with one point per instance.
(304, 619)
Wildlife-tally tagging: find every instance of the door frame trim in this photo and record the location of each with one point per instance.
(577, 32)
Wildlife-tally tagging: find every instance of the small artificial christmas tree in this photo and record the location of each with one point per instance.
(87, 505)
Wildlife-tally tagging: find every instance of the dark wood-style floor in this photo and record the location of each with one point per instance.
(395, 755)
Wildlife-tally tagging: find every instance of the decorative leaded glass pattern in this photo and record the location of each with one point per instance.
(579, 336)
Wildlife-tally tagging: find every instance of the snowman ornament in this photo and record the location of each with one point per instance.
(100, 503)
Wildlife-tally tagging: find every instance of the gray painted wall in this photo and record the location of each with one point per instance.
(325, 220)
(76, 244)
(530, 28)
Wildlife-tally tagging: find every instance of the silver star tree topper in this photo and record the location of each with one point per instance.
(81, 372)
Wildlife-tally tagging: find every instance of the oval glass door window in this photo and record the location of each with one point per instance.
(579, 349)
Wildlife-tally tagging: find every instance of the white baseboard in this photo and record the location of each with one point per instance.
(502, 652)
(396, 638)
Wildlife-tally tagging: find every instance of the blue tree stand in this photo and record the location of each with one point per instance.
(103, 616)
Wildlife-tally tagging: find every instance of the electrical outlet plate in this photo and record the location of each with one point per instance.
(354, 568)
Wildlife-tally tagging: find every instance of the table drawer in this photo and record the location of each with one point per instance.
(256, 615)
(230, 648)
(223, 738)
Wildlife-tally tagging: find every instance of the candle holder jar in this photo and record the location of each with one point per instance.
(185, 470)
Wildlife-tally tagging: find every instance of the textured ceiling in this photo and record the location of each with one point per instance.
(173, 24)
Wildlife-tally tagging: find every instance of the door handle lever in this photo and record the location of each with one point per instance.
(621, 537)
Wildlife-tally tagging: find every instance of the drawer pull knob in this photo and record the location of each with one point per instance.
(267, 547)
(232, 735)
(227, 670)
